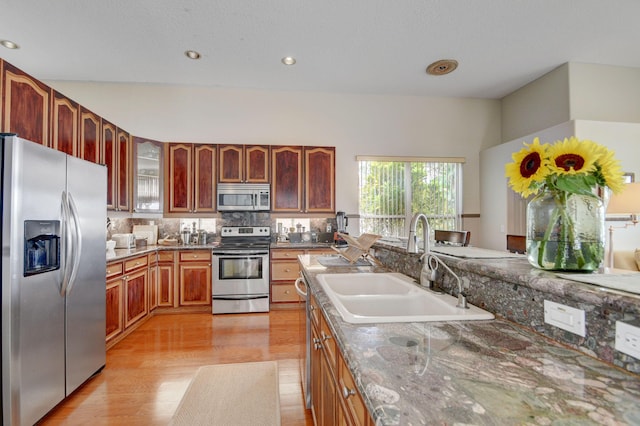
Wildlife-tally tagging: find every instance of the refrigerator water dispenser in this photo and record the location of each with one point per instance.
(41, 246)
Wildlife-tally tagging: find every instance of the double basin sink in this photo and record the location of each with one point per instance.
(392, 297)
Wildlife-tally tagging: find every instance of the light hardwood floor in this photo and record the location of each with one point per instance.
(148, 372)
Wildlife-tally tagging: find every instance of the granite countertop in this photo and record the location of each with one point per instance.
(119, 254)
(475, 372)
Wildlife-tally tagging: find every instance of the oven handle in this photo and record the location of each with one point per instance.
(241, 254)
(298, 289)
(240, 297)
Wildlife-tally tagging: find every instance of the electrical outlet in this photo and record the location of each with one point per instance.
(628, 339)
(565, 317)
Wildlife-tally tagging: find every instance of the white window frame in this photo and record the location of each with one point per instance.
(435, 218)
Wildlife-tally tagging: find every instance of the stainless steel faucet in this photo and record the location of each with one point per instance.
(412, 245)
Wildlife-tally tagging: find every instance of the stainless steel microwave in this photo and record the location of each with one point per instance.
(244, 197)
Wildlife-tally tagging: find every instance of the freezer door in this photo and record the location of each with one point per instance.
(32, 306)
(85, 319)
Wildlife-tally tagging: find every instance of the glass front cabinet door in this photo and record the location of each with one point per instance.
(148, 182)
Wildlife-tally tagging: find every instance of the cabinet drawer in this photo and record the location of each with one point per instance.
(321, 251)
(165, 256)
(285, 271)
(283, 293)
(114, 269)
(136, 263)
(195, 256)
(286, 254)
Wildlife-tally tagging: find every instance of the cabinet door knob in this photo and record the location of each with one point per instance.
(287, 291)
(325, 336)
(346, 392)
(287, 270)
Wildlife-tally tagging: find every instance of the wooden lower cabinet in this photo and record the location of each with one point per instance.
(127, 293)
(114, 317)
(334, 397)
(285, 270)
(195, 277)
(165, 280)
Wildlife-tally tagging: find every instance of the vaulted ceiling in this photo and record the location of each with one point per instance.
(352, 46)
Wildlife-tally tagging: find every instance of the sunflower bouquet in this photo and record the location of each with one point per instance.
(565, 221)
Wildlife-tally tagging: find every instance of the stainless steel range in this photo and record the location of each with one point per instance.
(240, 273)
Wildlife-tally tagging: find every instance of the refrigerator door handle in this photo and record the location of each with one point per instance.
(65, 243)
(76, 243)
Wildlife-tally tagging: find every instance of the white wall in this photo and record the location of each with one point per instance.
(622, 138)
(354, 124)
(541, 104)
(494, 190)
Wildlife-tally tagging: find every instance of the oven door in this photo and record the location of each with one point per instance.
(240, 281)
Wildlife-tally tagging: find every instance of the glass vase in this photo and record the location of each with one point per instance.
(565, 231)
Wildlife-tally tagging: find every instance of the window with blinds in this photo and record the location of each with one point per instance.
(392, 190)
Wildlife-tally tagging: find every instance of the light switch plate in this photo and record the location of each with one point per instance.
(565, 317)
(628, 339)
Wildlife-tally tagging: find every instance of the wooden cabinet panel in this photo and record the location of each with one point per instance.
(256, 164)
(153, 283)
(283, 271)
(195, 284)
(66, 116)
(243, 163)
(109, 157)
(136, 306)
(195, 256)
(319, 179)
(286, 179)
(289, 172)
(179, 191)
(205, 179)
(90, 136)
(190, 178)
(230, 166)
(135, 263)
(123, 180)
(114, 302)
(283, 293)
(351, 398)
(114, 269)
(165, 283)
(26, 106)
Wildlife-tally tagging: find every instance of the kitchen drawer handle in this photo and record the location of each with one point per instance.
(346, 392)
(316, 344)
(325, 336)
(287, 291)
(287, 270)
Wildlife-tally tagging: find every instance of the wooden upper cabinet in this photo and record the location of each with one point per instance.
(90, 136)
(66, 116)
(26, 106)
(286, 178)
(116, 155)
(190, 178)
(205, 178)
(243, 163)
(319, 179)
(109, 157)
(124, 170)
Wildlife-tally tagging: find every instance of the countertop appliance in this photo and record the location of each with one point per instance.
(244, 197)
(124, 240)
(240, 271)
(53, 283)
(341, 222)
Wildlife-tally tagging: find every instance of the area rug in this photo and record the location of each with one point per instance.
(232, 394)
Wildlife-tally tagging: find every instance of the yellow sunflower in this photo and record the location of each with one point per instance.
(572, 156)
(609, 171)
(529, 168)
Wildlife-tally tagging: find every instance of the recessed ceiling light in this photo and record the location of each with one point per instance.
(289, 60)
(9, 44)
(442, 67)
(192, 54)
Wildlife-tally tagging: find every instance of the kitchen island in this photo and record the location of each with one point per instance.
(475, 372)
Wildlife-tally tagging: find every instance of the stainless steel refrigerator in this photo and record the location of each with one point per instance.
(53, 277)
